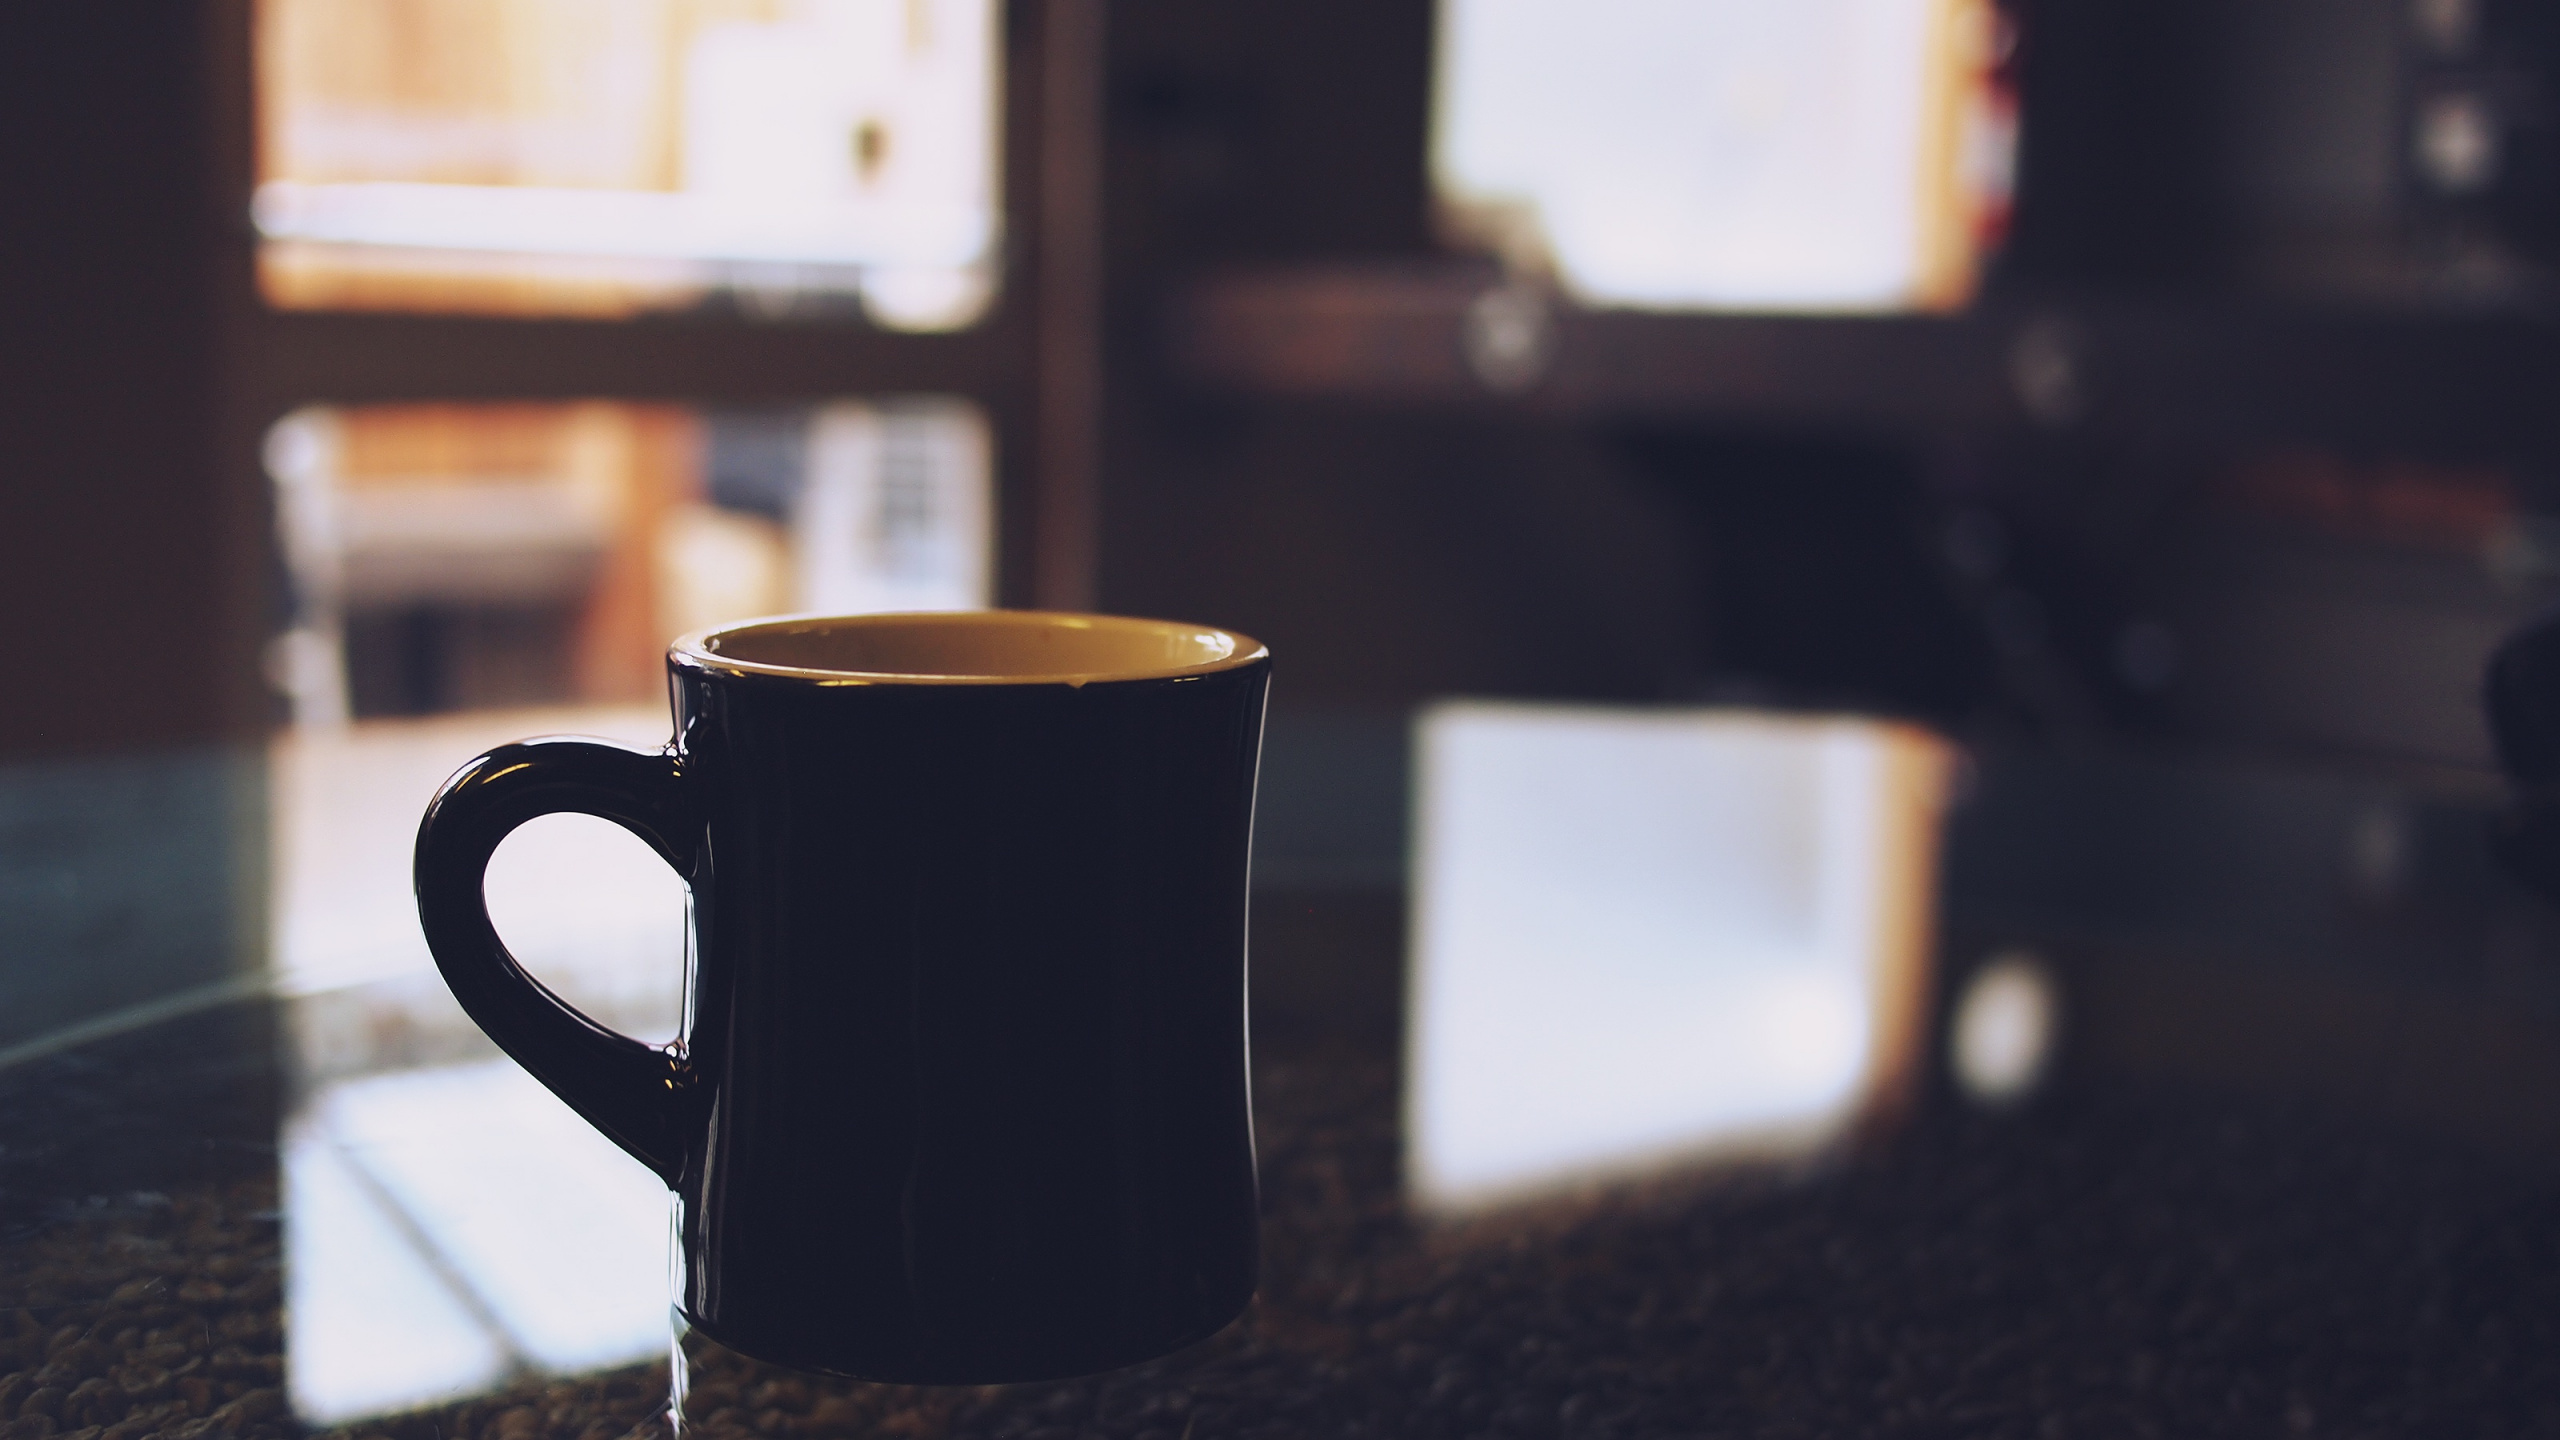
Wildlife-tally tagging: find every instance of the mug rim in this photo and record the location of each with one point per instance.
(700, 650)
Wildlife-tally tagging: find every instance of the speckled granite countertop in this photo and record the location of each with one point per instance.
(2128, 1263)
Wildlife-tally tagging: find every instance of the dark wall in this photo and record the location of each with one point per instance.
(1266, 131)
(2116, 169)
(121, 537)
(1387, 561)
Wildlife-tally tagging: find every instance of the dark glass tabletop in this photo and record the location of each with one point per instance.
(2110, 1258)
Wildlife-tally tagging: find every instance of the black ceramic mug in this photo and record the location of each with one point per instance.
(960, 1095)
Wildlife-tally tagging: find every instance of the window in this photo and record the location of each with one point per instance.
(605, 157)
(450, 557)
(1729, 154)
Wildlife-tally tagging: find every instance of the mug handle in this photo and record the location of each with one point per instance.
(638, 1095)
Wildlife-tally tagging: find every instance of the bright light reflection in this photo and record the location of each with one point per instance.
(449, 1227)
(1641, 935)
(2003, 1030)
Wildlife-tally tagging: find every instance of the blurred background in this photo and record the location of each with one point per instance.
(1864, 523)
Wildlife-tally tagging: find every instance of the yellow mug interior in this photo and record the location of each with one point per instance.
(968, 647)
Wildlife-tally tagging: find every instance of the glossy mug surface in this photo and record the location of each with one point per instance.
(961, 1094)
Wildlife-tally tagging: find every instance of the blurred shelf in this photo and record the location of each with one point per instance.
(2192, 372)
(304, 357)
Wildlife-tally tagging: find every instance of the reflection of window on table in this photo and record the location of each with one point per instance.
(604, 157)
(1645, 937)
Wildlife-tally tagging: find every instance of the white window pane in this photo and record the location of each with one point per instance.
(1815, 155)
